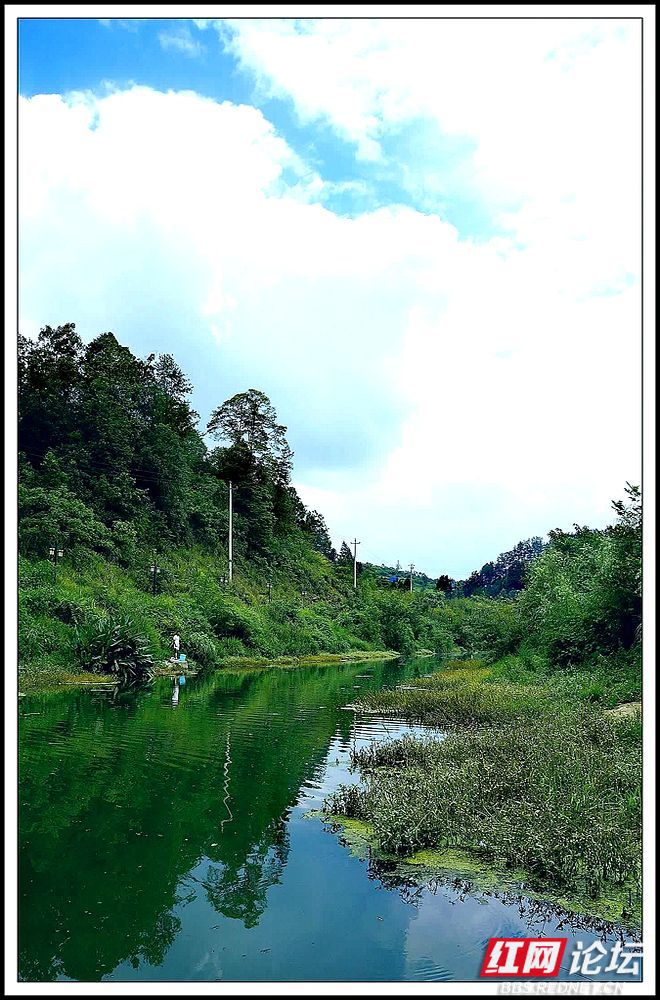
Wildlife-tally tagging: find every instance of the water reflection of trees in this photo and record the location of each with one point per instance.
(539, 916)
(119, 804)
(153, 945)
(240, 893)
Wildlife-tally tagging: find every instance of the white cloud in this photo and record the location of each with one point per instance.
(181, 40)
(444, 397)
(131, 24)
(543, 101)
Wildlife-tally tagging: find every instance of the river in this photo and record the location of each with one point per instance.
(164, 835)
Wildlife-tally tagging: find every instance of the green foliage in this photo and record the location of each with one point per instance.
(345, 557)
(558, 796)
(507, 574)
(480, 625)
(46, 515)
(112, 466)
(248, 421)
(584, 593)
(116, 649)
(203, 649)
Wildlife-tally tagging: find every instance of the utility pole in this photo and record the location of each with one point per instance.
(55, 553)
(231, 531)
(155, 573)
(412, 566)
(355, 545)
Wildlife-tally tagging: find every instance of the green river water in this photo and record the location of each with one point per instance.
(164, 835)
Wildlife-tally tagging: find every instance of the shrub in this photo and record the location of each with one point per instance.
(229, 647)
(117, 650)
(202, 648)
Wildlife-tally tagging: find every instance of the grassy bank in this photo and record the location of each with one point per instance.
(318, 660)
(310, 616)
(38, 680)
(532, 775)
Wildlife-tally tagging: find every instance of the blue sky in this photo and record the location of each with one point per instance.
(420, 238)
(62, 55)
(58, 55)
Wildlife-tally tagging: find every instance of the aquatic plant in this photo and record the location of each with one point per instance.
(457, 696)
(558, 795)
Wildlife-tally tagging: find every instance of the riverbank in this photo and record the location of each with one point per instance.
(34, 682)
(316, 660)
(56, 679)
(531, 774)
(312, 613)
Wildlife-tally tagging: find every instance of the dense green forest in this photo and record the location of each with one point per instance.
(116, 474)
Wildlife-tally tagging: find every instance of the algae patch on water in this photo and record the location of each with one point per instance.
(465, 870)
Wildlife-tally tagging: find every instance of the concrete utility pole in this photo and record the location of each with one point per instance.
(412, 566)
(355, 544)
(231, 531)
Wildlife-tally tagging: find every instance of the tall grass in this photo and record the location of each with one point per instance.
(558, 797)
(458, 695)
(533, 775)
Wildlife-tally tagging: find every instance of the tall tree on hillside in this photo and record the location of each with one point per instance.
(314, 524)
(248, 422)
(49, 376)
(115, 403)
(171, 389)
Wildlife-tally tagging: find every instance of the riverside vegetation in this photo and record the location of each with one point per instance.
(113, 470)
(538, 772)
(533, 772)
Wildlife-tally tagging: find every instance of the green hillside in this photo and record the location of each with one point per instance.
(116, 474)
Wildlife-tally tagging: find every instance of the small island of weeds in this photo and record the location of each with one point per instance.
(530, 774)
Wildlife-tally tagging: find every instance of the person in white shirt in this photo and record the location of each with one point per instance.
(176, 645)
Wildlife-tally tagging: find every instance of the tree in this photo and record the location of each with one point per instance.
(508, 573)
(248, 421)
(345, 557)
(314, 524)
(583, 598)
(49, 371)
(473, 583)
(444, 583)
(171, 389)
